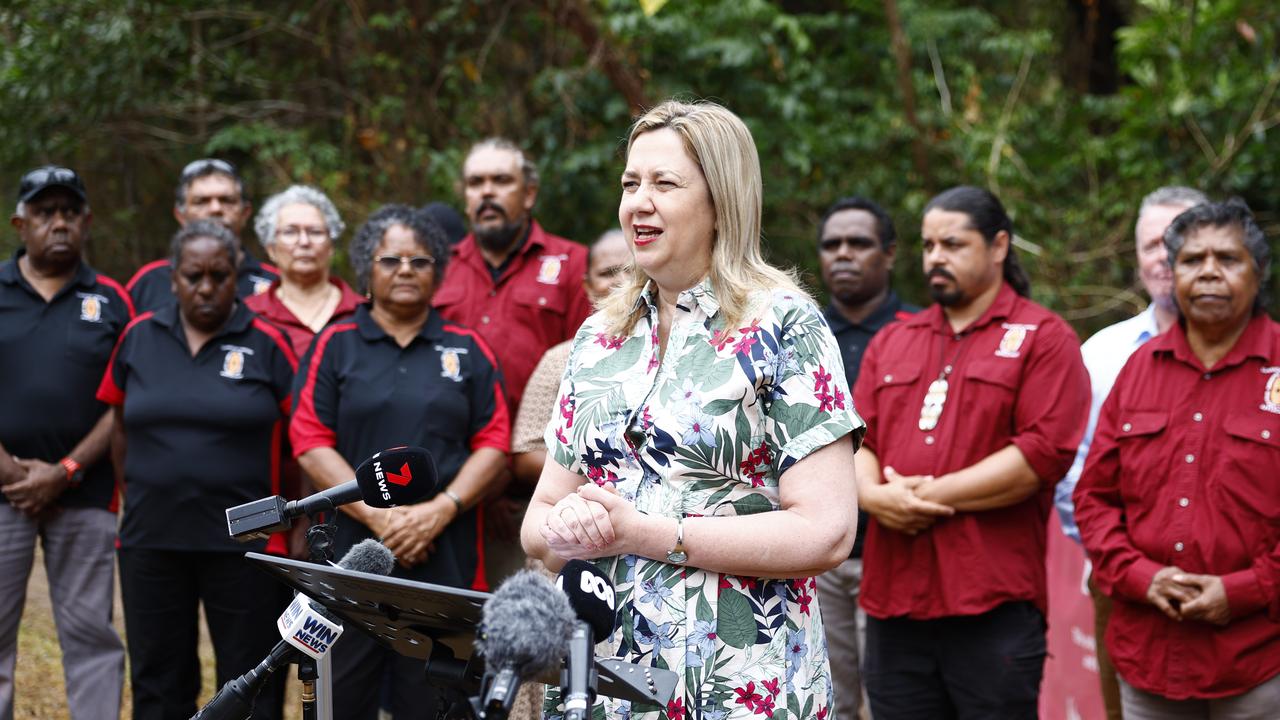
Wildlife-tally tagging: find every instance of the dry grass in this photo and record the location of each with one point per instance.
(40, 688)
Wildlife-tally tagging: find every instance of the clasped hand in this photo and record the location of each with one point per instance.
(410, 532)
(1187, 596)
(897, 506)
(588, 523)
(40, 485)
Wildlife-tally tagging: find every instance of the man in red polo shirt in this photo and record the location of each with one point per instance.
(959, 492)
(517, 285)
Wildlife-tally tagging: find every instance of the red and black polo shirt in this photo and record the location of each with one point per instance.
(202, 433)
(152, 286)
(359, 392)
(52, 355)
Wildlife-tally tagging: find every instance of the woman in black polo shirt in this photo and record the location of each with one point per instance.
(396, 373)
(201, 392)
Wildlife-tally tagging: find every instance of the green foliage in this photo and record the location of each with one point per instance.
(376, 101)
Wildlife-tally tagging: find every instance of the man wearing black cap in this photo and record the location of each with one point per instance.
(59, 320)
(208, 189)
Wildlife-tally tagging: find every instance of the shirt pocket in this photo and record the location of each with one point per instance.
(550, 298)
(1144, 451)
(895, 388)
(1251, 477)
(990, 394)
(448, 296)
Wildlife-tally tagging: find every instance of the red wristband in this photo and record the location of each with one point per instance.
(72, 467)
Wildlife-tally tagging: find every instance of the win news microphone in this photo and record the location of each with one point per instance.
(524, 632)
(305, 626)
(591, 596)
(398, 476)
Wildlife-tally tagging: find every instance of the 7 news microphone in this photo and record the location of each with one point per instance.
(591, 596)
(306, 627)
(398, 476)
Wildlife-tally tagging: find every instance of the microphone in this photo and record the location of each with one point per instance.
(305, 626)
(524, 631)
(591, 596)
(398, 476)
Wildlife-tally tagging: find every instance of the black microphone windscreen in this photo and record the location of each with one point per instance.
(590, 595)
(368, 556)
(525, 625)
(399, 476)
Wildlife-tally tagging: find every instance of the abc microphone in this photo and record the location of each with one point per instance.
(304, 626)
(591, 596)
(524, 632)
(398, 476)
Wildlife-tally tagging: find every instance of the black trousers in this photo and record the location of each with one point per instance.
(363, 669)
(162, 591)
(979, 667)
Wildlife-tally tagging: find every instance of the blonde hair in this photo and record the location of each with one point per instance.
(722, 146)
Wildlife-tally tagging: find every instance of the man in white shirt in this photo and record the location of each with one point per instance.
(1104, 355)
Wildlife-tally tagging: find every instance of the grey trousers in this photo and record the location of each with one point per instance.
(1260, 703)
(846, 628)
(79, 559)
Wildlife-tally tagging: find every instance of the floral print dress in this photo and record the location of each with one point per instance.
(707, 431)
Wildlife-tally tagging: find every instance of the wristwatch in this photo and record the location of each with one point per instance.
(75, 473)
(677, 555)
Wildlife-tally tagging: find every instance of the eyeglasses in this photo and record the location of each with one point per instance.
(204, 166)
(392, 263)
(292, 234)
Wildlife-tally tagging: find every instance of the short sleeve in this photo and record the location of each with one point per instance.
(811, 406)
(490, 418)
(283, 364)
(115, 379)
(315, 396)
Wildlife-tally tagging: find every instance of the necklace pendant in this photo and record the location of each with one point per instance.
(934, 400)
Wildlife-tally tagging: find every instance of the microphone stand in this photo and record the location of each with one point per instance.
(317, 678)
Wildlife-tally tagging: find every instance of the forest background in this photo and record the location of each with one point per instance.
(1070, 110)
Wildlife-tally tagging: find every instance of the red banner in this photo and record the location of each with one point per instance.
(1070, 688)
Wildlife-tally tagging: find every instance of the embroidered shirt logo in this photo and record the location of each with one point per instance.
(233, 362)
(91, 307)
(261, 284)
(1015, 334)
(1271, 394)
(549, 273)
(451, 362)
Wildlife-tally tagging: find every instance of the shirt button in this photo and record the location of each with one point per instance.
(485, 319)
(542, 301)
(1190, 458)
(1183, 502)
(928, 439)
(888, 378)
(1178, 546)
(1266, 434)
(1208, 376)
(493, 293)
(1126, 427)
(1197, 417)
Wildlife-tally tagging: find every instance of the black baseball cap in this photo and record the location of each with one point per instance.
(50, 176)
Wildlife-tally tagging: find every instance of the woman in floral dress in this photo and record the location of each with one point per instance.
(702, 448)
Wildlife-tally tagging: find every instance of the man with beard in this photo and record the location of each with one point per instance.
(208, 189)
(959, 493)
(1104, 354)
(856, 248)
(59, 320)
(517, 285)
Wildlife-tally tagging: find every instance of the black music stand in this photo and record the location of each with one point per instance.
(437, 624)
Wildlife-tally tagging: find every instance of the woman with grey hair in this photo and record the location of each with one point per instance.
(396, 373)
(299, 227)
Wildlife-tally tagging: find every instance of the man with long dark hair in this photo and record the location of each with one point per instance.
(959, 493)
